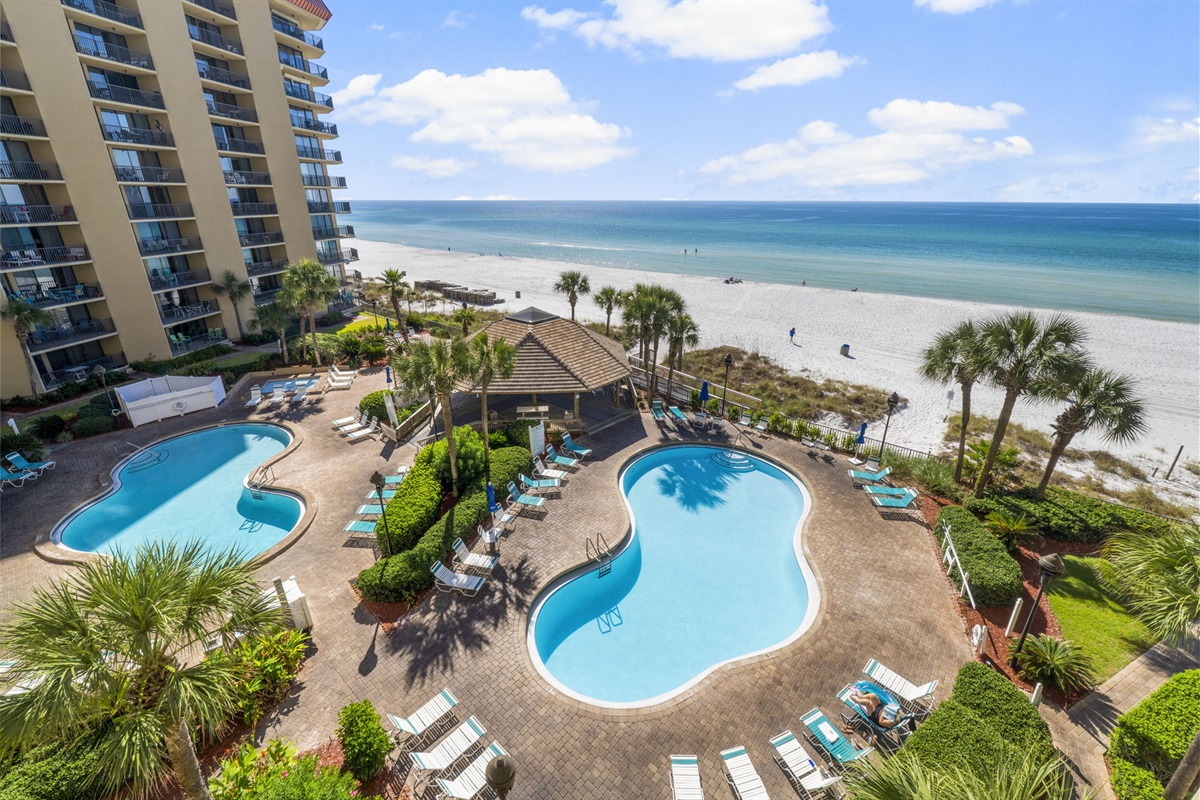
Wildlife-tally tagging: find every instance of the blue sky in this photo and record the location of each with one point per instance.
(954, 100)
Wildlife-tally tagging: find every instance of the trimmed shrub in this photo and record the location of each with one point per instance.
(468, 446)
(92, 426)
(48, 428)
(413, 508)
(507, 463)
(955, 737)
(373, 405)
(1156, 733)
(1005, 707)
(517, 432)
(496, 440)
(365, 744)
(1130, 782)
(994, 575)
(1045, 659)
(25, 443)
(1072, 517)
(54, 772)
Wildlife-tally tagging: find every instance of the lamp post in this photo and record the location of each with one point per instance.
(725, 384)
(99, 371)
(892, 401)
(1049, 568)
(377, 480)
(500, 775)
(375, 312)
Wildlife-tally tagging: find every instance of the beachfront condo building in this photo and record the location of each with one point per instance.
(150, 147)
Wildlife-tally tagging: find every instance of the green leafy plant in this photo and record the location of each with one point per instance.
(265, 668)
(994, 575)
(1003, 470)
(517, 432)
(1155, 734)
(1046, 659)
(694, 399)
(468, 445)
(365, 744)
(1071, 516)
(1006, 708)
(241, 771)
(1131, 782)
(373, 406)
(25, 443)
(92, 426)
(1010, 528)
(497, 439)
(55, 771)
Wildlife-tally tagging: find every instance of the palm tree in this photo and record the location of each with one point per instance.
(437, 368)
(682, 332)
(1013, 777)
(608, 298)
(662, 305)
(312, 287)
(274, 317)
(24, 318)
(235, 289)
(956, 355)
(393, 286)
(1102, 400)
(1010, 528)
(464, 317)
(572, 283)
(490, 360)
(116, 643)
(1027, 357)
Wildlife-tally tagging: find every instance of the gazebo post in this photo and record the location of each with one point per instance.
(577, 406)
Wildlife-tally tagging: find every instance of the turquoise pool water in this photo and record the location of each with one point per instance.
(190, 487)
(713, 572)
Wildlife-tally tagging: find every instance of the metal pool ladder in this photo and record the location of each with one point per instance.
(263, 476)
(598, 550)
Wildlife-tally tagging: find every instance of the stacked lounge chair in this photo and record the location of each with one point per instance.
(743, 778)
(452, 748)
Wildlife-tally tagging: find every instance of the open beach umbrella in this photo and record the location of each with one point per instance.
(862, 435)
(704, 393)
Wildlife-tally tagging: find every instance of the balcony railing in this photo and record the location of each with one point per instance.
(86, 45)
(34, 257)
(337, 257)
(240, 177)
(171, 313)
(224, 9)
(69, 333)
(102, 8)
(307, 124)
(120, 94)
(324, 180)
(302, 92)
(14, 79)
(6, 32)
(29, 171)
(49, 296)
(36, 215)
(351, 254)
(159, 210)
(148, 174)
(223, 76)
(123, 135)
(216, 40)
(303, 64)
(12, 125)
(259, 268)
(328, 208)
(231, 112)
(333, 232)
(254, 209)
(156, 247)
(240, 146)
(161, 280)
(297, 33)
(266, 296)
(260, 239)
(81, 371)
(319, 154)
(187, 344)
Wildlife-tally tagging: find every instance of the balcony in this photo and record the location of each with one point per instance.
(314, 125)
(328, 208)
(109, 11)
(158, 247)
(131, 97)
(303, 65)
(12, 125)
(261, 239)
(349, 254)
(189, 344)
(259, 268)
(236, 177)
(266, 296)
(69, 333)
(240, 146)
(143, 136)
(163, 281)
(324, 180)
(159, 210)
(215, 40)
(78, 372)
(319, 154)
(333, 232)
(223, 76)
(29, 171)
(148, 174)
(50, 296)
(6, 33)
(87, 46)
(34, 257)
(297, 33)
(14, 79)
(36, 215)
(231, 112)
(301, 92)
(171, 314)
(224, 9)
(254, 209)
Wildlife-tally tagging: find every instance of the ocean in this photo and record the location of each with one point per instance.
(1133, 260)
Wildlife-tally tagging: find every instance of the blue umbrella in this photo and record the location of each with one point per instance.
(493, 506)
(704, 393)
(388, 326)
(387, 371)
(862, 434)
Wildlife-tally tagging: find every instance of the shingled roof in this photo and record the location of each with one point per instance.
(554, 356)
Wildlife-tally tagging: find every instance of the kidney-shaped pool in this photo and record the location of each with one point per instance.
(713, 571)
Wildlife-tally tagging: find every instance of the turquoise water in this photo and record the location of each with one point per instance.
(1136, 260)
(190, 487)
(711, 573)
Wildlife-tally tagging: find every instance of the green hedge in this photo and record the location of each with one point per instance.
(517, 432)
(1131, 782)
(468, 447)
(994, 575)
(54, 772)
(1007, 710)
(953, 737)
(1071, 516)
(1156, 733)
(413, 508)
(372, 405)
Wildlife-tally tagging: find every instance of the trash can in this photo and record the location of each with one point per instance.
(845, 349)
(518, 295)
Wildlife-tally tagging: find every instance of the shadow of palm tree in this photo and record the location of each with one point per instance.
(700, 484)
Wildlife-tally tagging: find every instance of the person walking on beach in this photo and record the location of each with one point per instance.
(792, 336)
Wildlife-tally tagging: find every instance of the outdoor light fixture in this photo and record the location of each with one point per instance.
(1049, 567)
(378, 481)
(725, 385)
(892, 401)
(99, 371)
(500, 775)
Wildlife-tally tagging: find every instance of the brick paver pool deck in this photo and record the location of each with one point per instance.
(882, 595)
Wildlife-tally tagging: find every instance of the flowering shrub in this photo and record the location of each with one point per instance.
(274, 773)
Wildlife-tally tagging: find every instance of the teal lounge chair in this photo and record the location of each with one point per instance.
(886, 490)
(15, 478)
(870, 477)
(574, 449)
(388, 494)
(859, 717)
(394, 480)
(540, 484)
(562, 461)
(836, 748)
(678, 415)
(521, 499)
(903, 501)
(657, 411)
(18, 461)
(360, 526)
(375, 509)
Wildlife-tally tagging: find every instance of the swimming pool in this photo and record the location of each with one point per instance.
(289, 385)
(189, 487)
(712, 572)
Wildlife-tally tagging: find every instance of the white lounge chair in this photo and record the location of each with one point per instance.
(424, 718)
(761, 427)
(299, 397)
(489, 536)
(465, 558)
(742, 777)
(919, 696)
(685, 778)
(343, 374)
(800, 768)
(746, 421)
(278, 396)
(352, 421)
(354, 436)
(540, 471)
(452, 748)
(255, 397)
(470, 781)
(447, 580)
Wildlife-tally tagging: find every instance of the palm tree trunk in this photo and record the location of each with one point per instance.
(448, 423)
(303, 337)
(33, 373)
(670, 377)
(237, 315)
(283, 343)
(312, 326)
(487, 450)
(654, 368)
(607, 321)
(985, 474)
(1061, 441)
(184, 763)
(1186, 774)
(401, 324)
(571, 298)
(962, 434)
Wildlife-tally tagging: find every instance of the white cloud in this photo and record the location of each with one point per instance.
(1157, 132)
(798, 70)
(457, 19)
(953, 6)
(359, 87)
(526, 118)
(375, 26)
(912, 147)
(433, 167)
(717, 30)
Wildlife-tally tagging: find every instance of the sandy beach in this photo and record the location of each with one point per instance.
(886, 335)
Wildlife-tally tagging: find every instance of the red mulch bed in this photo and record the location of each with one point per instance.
(389, 614)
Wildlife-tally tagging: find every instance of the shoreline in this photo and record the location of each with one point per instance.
(886, 334)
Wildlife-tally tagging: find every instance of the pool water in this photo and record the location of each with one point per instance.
(187, 488)
(712, 572)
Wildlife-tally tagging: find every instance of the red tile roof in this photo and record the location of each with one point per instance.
(315, 7)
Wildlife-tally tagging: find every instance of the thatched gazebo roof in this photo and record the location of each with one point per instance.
(554, 356)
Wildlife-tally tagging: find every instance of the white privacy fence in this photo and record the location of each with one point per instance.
(951, 562)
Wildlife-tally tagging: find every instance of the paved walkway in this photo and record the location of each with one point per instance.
(1081, 733)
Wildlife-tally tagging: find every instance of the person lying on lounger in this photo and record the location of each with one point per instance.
(883, 715)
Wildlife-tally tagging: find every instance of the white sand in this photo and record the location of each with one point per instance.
(886, 335)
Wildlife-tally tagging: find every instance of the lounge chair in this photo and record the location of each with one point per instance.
(447, 580)
(356, 419)
(701, 419)
(742, 776)
(468, 560)
(16, 478)
(424, 718)
(490, 535)
(574, 449)
(869, 727)
(678, 416)
(685, 778)
(918, 698)
(540, 484)
(354, 436)
(799, 768)
(903, 501)
(388, 494)
(452, 748)
(473, 778)
(330, 383)
(18, 461)
(835, 747)
(886, 490)
(746, 421)
(525, 500)
(299, 397)
(394, 480)
(562, 461)
(761, 427)
(656, 410)
(255, 397)
(362, 422)
(360, 526)
(348, 374)
(278, 396)
(540, 471)
(869, 477)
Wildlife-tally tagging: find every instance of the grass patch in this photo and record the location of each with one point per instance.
(61, 411)
(1113, 465)
(1095, 620)
(1192, 467)
(238, 359)
(1032, 442)
(1143, 497)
